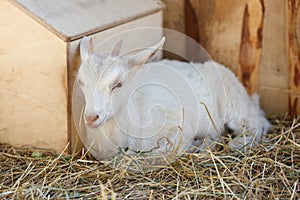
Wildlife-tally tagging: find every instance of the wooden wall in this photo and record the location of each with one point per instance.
(258, 39)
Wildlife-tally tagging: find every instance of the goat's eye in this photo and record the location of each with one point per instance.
(116, 86)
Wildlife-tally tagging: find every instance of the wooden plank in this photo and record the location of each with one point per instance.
(219, 28)
(104, 42)
(73, 19)
(294, 55)
(232, 38)
(173, 15)
(174, 19)
(33, 82)
(274, 71)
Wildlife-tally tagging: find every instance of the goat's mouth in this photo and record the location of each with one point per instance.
(95, 124)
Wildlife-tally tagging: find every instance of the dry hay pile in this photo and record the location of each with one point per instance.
(269, 171)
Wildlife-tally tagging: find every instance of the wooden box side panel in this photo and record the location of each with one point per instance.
(129, 43)
(33, 82)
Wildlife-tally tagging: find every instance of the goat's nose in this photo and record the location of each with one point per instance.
(91, 118)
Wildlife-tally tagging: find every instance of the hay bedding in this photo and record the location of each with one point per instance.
(269, 171)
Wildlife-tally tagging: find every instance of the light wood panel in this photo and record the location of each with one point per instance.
(72, 19)
(274, 71)
(33, 82)
(218, 25)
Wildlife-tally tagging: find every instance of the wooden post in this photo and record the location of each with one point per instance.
(294, 56)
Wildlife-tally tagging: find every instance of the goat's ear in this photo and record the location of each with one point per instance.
(146, 55)
(86, 47)
(117, 49)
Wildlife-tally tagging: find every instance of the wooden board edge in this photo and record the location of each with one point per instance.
(67, 38)
(112, 25)
(73, 136)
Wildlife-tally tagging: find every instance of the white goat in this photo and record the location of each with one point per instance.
(163, 106)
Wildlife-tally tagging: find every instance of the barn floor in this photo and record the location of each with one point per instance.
(269, 171)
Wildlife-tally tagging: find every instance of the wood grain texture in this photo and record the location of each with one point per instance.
(33, 82)
(232, 38)
(251, 44)
(294, 55)
(73, 19)
(274, 70)
(218, 24)
(258, 40)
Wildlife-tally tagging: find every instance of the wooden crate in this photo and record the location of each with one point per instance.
(39, 58)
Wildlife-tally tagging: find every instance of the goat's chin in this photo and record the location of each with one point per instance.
(94, 126)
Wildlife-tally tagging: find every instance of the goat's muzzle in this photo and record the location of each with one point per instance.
(90, 119)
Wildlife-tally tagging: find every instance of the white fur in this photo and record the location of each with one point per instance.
(162, 106)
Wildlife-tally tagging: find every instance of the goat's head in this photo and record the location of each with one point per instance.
(101, 77)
